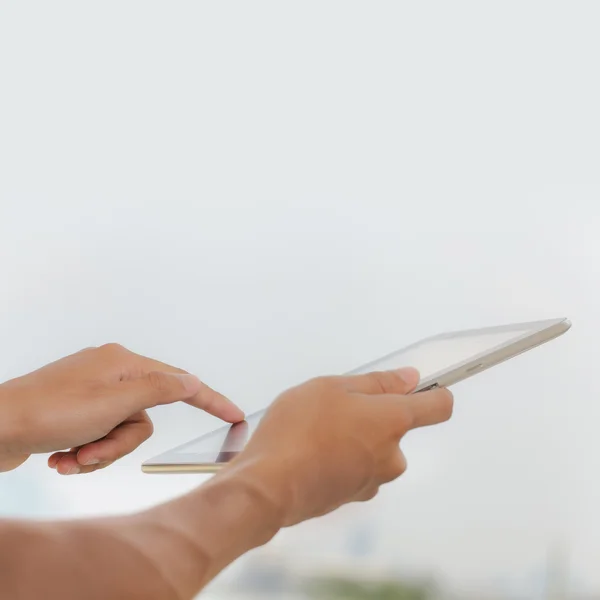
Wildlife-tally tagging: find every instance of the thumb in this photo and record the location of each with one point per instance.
(400, 381)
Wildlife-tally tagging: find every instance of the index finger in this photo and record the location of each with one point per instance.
(419, 410)
(206, 398)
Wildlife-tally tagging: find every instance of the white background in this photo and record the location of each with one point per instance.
(261, 192)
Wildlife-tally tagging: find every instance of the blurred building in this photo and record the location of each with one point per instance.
(271, 573)
(267, 573)
(557, 574)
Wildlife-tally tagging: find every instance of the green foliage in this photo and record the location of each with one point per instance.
(345, 589)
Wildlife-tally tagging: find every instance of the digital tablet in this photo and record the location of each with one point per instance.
(442, 360)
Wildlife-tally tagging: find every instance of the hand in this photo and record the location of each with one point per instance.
(330, 441)
(335, 440)
(94, 402)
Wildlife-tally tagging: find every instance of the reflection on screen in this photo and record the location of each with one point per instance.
(223, 444)
(430, 357)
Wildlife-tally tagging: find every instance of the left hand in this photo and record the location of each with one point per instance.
(93, 403)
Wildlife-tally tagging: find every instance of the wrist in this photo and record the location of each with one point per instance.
(265, 480)
(192, 538)
(238, 494)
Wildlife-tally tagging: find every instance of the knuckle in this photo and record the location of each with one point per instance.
(397, 468)
(324, 387)
(149, 431)
(381, 381)
(111, 349)
(388, 382)
(368, 494)
(146, 431)
(326, 381)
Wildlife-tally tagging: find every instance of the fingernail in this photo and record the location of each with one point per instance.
(410, 375)
(73, 471)
(190, 382)
(91, 461)
(237, 414)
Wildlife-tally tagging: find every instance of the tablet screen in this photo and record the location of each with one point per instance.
(431, 357)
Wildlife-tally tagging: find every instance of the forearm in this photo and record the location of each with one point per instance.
(167, 553)
(11, 453)
(65, 561)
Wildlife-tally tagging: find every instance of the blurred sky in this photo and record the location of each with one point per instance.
(262, 192)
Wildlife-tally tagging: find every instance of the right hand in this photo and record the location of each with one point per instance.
(335, 440)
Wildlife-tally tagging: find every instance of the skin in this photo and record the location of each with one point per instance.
(339, 444)
(94, 402)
